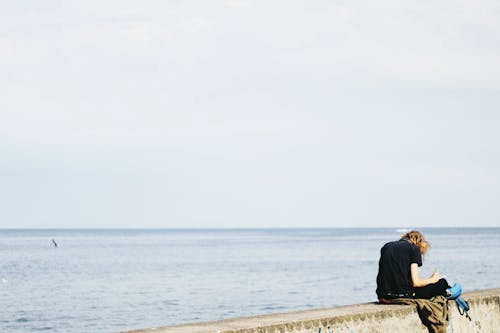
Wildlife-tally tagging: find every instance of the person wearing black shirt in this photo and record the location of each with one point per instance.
(398, 273)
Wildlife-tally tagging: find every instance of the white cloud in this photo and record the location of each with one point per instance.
(260, 99)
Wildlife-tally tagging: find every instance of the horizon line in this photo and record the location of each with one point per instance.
(241, 228)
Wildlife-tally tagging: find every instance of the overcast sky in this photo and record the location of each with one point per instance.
(242, 113)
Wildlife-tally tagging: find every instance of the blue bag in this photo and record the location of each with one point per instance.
(463, 306)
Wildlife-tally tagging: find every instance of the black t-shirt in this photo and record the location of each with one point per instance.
(394, 277)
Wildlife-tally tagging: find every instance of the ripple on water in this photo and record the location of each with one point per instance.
(22, 320)
(273, 307)
(170, 302)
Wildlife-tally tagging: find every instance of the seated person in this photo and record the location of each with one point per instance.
(398, 275)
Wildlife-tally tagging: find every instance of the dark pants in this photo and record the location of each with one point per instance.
(431, 290)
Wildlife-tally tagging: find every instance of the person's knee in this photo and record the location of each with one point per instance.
(443, 283)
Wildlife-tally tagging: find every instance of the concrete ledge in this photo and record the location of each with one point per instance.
(361, 318)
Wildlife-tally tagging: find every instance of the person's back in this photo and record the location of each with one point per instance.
(394, 277)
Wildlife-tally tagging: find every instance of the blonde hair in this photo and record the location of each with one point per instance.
(417, 238)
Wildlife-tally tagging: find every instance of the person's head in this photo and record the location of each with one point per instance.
(417, 238)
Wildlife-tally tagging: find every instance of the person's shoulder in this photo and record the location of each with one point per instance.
(389, 245)
(399, 242)
(403, 243)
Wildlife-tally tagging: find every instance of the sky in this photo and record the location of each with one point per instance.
(249, 114)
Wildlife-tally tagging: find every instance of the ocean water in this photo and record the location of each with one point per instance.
(117, 280)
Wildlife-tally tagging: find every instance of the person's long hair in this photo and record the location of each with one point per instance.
(417, 238)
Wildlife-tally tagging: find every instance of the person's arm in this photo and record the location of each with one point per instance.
(418, 281)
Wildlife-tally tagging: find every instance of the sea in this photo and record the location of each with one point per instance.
(114, 280)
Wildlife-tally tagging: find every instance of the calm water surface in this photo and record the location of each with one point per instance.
(115, 280)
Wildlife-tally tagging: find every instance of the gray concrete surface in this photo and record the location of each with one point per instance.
(360, 318)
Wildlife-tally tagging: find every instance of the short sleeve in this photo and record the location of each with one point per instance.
(415, 255)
